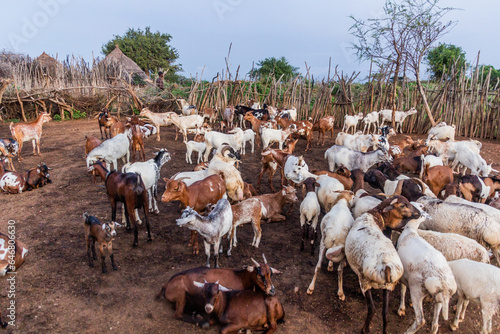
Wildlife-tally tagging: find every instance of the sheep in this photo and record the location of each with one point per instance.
(150, 174)
(248, 136)
(214, 139)
(111, 150)
(271, 136)
(494, 212)
(193, 146)
(339, 155)
(309, 213)
(371, 118)
(479, 283)
(442, 131)
(372, 255)
(462, 219)
(399, 117)
(231, 176)
(103, 234)
(212, 227)
(22, 132)
(426, 273)
(351, 122)
(335, 226)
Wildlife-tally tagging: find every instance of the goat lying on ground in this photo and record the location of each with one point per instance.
(11, 182)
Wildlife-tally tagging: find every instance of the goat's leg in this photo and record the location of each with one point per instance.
(142, 151)
(417, 297)
(402, 306)
(103, 258)
(89, 252)
(340, 276)
(38, 145)
(113, 209)
(310, 289)
(137, 217)
(94, 256)
(257, 233)
(385, 309)
(147, 220)
(487, 311)
(370, 311)
(207, 253)
(158, 133)
(314, 226)
(33, 142)
(100, 129)
(125, 218)
(303, 227)
(20, 149)
(111, 257)
(435, 320)
(216, 253)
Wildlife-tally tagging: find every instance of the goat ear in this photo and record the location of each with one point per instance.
(388, 208)
(316, 184)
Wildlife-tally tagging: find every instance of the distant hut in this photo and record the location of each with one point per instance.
(117, 57)
(47, 65)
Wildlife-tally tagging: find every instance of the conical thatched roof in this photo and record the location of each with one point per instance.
(45, 60)
(118, 57)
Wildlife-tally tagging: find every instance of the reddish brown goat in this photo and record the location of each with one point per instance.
(303, 129)
(418, 151)
(197, 196)
(37, 177)
(231, 308)
(103, 234)
(322, 126)
(272, 160)
(437, 178)
(408, 164)
(273, 203)
(493, 183)
(137, 142)
(129, 189)
(249, 190)
(357, 176)
(105, 122)
(342, 174)
(181, 290)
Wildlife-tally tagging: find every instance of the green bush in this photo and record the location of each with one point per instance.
(79, 114)
(13, 120)
(56, 118)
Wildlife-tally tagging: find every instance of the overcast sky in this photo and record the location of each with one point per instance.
(202, 30)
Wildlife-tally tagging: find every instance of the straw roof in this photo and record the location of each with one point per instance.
(118, 57)
(47, 61)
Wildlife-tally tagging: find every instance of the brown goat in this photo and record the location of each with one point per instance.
(493, 183)
(437, 178)
(137, 142)
(197, 196)
(272, 160)
(105, 121)
(103, 234)
(247, 211)
(273, 203)
(11, 261)
(116, 128)
(37, 177)
(342, 174)
(22, 132)
(408, 164)
(357, 176)
(303, 129)
(322, 126)
(249, 190)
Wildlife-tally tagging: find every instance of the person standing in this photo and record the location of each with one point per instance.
(159, 81)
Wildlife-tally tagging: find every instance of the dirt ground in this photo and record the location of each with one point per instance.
(57, 292)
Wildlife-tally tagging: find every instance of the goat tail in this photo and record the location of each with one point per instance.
(161, 293)
(11, 125)
(139, 180)
(387, 272)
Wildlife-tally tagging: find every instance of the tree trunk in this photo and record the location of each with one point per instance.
(394, 90)
(424, 98)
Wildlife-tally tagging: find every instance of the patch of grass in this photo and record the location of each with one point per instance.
(13, 120)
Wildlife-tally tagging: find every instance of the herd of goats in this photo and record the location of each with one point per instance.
(433, 231)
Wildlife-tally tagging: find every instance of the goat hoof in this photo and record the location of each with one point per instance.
(134, 245)
(115, 268)
(341, 296)
(150, 240)
(105, 271)
(401, 312)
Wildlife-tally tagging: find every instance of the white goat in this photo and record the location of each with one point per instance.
(186, 122)
(426, 273)
(363, 204)
(111, 150)
(339, 155)
(309, 213)
(158, 119)
(274, 136)
(214, 139)
(479, 283)
(292, 112)
(248, 136)
(494, 212)
(212, 227)
(194, 146)
(448, 150)
(296, 164)
(462, 219)
(150, 174)
(371, 118)
(187, 109)
(399, 117)
(469, 159)
(351, 122)
(335, 226)
(442, 131)
(346, 139)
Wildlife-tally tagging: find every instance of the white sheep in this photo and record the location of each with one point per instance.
(479, 283)
(214, 139)
(442, 131)
(111, 150)
(351, 122)
(339, 155)
(274, 136)
(248, 136)
(335, 226)
(399, 117)
(494, 212)
(371, 118)
(426, 273)
(194, 146)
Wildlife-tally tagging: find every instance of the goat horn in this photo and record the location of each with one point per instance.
(399, 188)
(264, 257)
(257, 264)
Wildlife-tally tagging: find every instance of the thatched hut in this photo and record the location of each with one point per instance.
(47, 65)
(117, 57)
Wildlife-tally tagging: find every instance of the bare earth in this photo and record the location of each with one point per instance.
(56, 290)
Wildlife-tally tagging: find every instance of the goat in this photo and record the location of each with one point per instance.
(270, 136)
(137, 142)
(12, 253)
(212, 227)
(493, 183)
(196, 196)
(363, 202)
(9, 148)
(426, 273)
(106, 121)
(342, 174)
(339, 155)
(399, 117)
(430, 161)
(228, 116)
(103, 234)
(335, 226)
(158, 119)
(37, 177)
(323, 125)
(479, 283)
(230, 308)
(186, 122)
(150, 174)
(248, 136)
(442, 131)
(272, 204)
(187, 109)
(214, 139)
(369, 119)
(309, 213)
(247, 211)
(129, 189)
(300, 129)
(22, 132)
(351, 122)
(372, 255)
(11, 182)
(180, 288)
(437, 178)
(111, 150)
(210, 114)
(272, 160)
(256, 124)
(473, 161)
(193, 146)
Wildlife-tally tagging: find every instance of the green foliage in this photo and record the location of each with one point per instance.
(56, 118)
(13, 120)
(150, 50)
(443, 57)
(272, 67)
(78, 114)
(495, 74)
